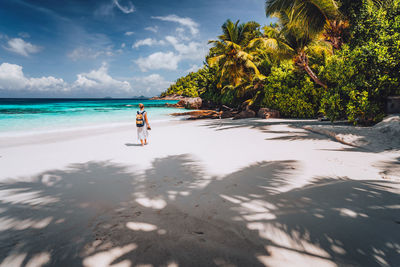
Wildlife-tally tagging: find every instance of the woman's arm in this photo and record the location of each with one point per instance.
(147, 121)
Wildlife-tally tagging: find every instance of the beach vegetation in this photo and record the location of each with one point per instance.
(338, 59)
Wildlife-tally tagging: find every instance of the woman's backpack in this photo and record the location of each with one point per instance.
(140, 119)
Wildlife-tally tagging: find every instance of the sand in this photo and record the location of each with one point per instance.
(202, 193)
(384, 136)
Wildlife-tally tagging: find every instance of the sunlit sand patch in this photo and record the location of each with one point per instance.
(162, 232)
(19, 196)
(283, 257)
(200, 184)
(231, 199)
(8, 223)
(347, 213)
(172, 264)
(139, 226)
(14, 260)
(338, 249)
(259, 216)
(157, 204)
(256, 206)
(292, 249)
(105, 258)
(40, 259)
(172, 195)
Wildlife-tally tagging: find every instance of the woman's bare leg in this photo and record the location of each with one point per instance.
(141, 141)
(145, 141)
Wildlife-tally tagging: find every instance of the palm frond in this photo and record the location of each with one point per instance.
(215, 60)
(309, 15)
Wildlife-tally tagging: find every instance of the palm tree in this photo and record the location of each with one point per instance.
(334, 33)
(313, 16)
(232, 54)
(286, 41)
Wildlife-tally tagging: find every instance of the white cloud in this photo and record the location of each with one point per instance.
(129, 8)
(159, 60)
(13, 78)
(169, 60)
(152, 29)
(187, 22)
(94, 83)
(89, 53)
(47, 84)
(148, 42)
(180, 30)
(123, 45)
(152, 84)
(19, 46)
(181, 34)
(100, 80)
(192, 50)
(129, 33)
(107, 9)
(193, 68)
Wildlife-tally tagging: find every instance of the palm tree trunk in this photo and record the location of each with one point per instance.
(302, 61)
(313, 76)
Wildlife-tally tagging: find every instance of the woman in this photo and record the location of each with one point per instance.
(143, 125)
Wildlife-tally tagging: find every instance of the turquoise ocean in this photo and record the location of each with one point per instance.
(25, 116)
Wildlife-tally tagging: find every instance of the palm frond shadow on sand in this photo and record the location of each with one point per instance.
(173, 212)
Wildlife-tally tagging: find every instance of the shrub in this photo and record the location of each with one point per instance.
(291, 92)
(365, 72)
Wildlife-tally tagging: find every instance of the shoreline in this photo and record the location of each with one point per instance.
(37, 137)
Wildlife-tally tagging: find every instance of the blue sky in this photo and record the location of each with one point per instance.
(118, 48)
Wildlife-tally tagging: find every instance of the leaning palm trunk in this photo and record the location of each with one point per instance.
(302, 62)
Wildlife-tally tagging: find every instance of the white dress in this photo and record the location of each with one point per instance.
(142, 132)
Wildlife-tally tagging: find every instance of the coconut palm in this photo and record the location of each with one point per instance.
(287, 41)
(313, 16)
(335, 32)
(232, 54)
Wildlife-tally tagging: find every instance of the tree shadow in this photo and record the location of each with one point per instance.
(257, 123)
(132, 144)
(101, 213)
(378, 138)
(294, 132)
(390, 169)
(368, 139)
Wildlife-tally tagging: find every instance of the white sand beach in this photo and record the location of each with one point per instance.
(202, 193)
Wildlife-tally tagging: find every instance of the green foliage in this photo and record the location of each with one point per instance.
(269, 69)
(365, 72)
(194, 84)
(291, 92)
(361, 108)
(310, 15)
(185, 86)
(231, 53)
